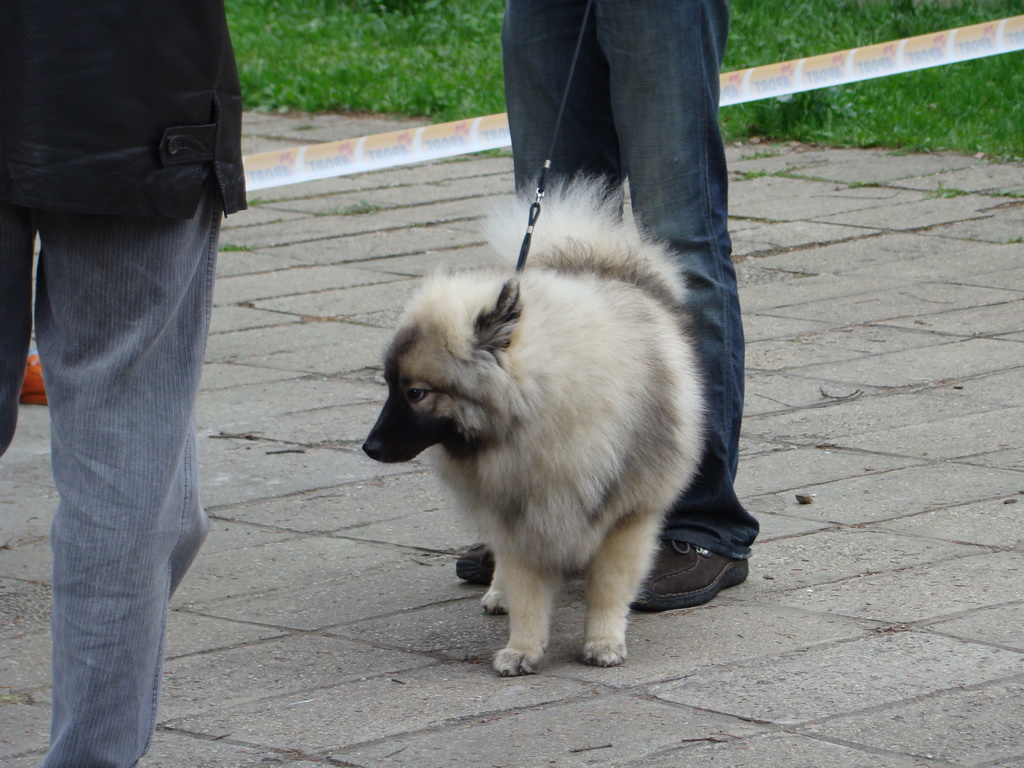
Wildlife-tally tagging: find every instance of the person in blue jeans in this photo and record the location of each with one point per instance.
(643, 106)
(120, 152)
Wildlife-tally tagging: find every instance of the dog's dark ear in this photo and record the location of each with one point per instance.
(494, 326)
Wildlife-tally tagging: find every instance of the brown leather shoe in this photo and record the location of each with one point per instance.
(476, 565)
(684, 576)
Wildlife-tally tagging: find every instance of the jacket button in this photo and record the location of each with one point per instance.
(174, 145)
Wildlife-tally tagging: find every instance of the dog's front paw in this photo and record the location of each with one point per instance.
(494, 602)
(604, 654)
(511, 662)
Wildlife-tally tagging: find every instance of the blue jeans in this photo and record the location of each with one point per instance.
(643, 105)
(122, 310)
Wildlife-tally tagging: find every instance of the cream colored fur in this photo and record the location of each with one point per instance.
(589, 421)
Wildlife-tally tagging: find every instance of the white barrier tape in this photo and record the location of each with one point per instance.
(881, 60)
(372, 153)
(433, 142)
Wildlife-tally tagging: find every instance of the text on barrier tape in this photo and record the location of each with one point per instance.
(434, 142)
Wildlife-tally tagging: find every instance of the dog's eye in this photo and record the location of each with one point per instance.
(414, 395)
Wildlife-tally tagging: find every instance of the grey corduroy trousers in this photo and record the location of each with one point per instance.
(122, 310)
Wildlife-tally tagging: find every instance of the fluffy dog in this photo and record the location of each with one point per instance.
(562, 406)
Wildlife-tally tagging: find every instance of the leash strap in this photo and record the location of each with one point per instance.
(542, 179)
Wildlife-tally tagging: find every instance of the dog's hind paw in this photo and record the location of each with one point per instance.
(604, 654)
(494, 603)
(511, 662)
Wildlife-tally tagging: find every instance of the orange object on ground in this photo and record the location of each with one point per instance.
(32, 390)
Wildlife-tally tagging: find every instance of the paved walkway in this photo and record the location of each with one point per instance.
(323, 625)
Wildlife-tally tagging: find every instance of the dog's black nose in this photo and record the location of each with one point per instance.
(372, 450)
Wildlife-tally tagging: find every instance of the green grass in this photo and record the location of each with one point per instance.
(436, 59)
(971, 106)
(944, 192)
(441, 60)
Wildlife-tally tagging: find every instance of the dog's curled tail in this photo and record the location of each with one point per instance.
(581, 230)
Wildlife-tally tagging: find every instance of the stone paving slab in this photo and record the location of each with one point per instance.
(330, 719)
(254, 469)
(1012, 459)
(926, 593)
(774, 392)
(859, 302)
(220, 376)
(363, 201)
(299, 347)
(1002, 224)
(941, 364)
(189, 634)
(28, 559)
(980, 177)
(364, 247)
(998, 626)
(354, 506)
(26, 726)
(331, 425)
(898, 214)
(776, 749)
(886, 254)
(832, 346)
(843, 678)
(271, 399)
(355, 301)
(250, 288)
(978, 434)
(908, 257)
(976, 726)
(311, 562)
(993, 389)
(467, 170)
(838, 555)
(241, 318)
(314, 602)
(781, 526)
(276, 667)
(769, 328)
(732, 631)
(312, 229)
(632, 728)
(808, 290)
(761, 239)
(776, 198)
(854, 412)
(991, 320)
(1004, 522)
(322, 624)
(895, 494)
(797, 468)
(885, 168)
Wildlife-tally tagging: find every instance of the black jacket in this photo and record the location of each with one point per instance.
(118, 106)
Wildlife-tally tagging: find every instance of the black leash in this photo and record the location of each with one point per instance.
(542, 179)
